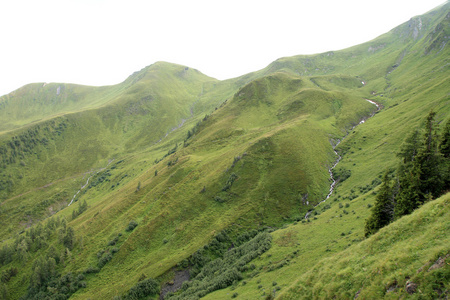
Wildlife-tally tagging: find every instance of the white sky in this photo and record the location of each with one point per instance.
(102, 42)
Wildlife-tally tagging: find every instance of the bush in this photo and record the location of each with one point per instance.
(131, 226)
(218, 199)
(143, 289)
(104, 260)
(91, 270)
(226, 271)
(7, 274)
(229, 182)
(341, 174)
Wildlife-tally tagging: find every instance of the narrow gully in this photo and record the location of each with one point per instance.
(330, 170)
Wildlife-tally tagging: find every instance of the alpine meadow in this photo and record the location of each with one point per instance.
(320, 176)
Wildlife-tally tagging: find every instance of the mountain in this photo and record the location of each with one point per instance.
(172, 174)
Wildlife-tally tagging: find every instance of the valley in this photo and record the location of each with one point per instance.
(257, 186)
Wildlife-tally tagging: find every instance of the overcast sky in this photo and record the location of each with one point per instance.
(101, 42)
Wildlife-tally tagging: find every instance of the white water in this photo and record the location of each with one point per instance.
(330, 170)
(87, 182)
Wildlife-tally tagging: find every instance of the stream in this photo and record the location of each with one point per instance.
(87, 182)
(330, 170)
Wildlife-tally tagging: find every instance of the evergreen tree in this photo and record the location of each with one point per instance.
(420, 173)
(410, 148)
(383, 210)
(22, 251)
(3, 291)
(69, 238)
(6, 254)
(428, 163)
(408, 197)
(423, 174)
(82, 207)
(444, 149)
(444, 146)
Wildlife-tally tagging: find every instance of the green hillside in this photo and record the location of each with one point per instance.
(121, 191)
(407, 257)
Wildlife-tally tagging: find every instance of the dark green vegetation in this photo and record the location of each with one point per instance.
(421, 176)
(222, 271)
(164, 163)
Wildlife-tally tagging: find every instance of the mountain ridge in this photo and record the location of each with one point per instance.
(184, 159)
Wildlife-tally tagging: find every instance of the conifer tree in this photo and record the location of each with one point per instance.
(428, 163)
(3, 291)
(383, 210)
(444, 149)
(69, 237)
(423, 174)
(408, 197)
(444, 146)
(410, 148)
(420, 174)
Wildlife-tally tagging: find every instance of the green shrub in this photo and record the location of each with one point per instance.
(143, 289)
(341, 174)
(226, 271)
(229, 182)
(91, 270)
(219, 199)
(104, 260)
(131, 226)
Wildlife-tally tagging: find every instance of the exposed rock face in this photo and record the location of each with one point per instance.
(411, 287)
(175, 284)
(440, 262)
(392, 287)
(414, 29)
(374, 48)
(417, 28)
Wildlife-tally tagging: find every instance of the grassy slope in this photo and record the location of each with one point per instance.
(401, 252)
(180, 215)
(368, 151)
(276, 117)
(158, 99)
(170, 207)
(326, 258)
